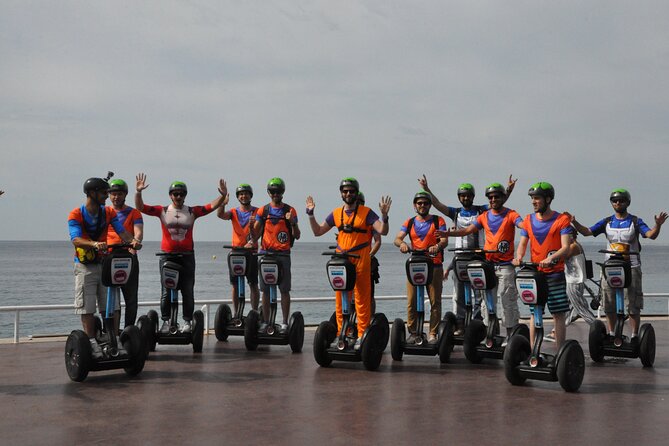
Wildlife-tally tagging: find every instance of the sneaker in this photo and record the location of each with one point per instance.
(283, 328)
(357, 344)
(459, 329)
(505, 342)
(262, 328)
(95, 347)
(550, 337)
(411, 339)
(187, 327)
(431, 339)
(165, 328)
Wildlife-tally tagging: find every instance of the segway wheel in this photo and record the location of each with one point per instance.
(133, 343)
(198, 331)
(571, 366)
(647, 345)
(333, 318)
(251, 330)
(445, 341)
(397, 340)
(381, 320)
(521, 330)
(596, 339)
(516, 351)
(223, 318)
(450, 317)
(474, 334)
(296, 332)
(146, 330)
(153, 317)
(325, 334)
(371, 348)
(78, 356)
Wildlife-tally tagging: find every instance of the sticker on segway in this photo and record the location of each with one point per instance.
(461, 271)
(282, 237)
(418, 273)
(120, 270)
(503, 246)
(477, 278)
(170, 278)
(527, 290)
(238, 265)
(615, 276)
(270, 273)
(337, 276)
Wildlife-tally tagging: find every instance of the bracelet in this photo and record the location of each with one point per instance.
(310, 212)
(385, 219)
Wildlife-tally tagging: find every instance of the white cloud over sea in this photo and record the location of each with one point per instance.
(575, 93)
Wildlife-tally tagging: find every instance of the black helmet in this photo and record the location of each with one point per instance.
(495, 188)
(350, 182)
(118, 185)
(621, 193)
(466, 189)
(542, 189)
(276, 184)
(244, 188)
(422, 194)
(95, 185)
(178, 185)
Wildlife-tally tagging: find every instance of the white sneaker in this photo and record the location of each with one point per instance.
(262, 328)
(95, 347)
(357, 344)
(431, 339)
(187, 327)
(283, 328)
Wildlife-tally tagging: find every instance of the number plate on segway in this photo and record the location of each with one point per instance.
(418, 274)
(477, 278)
(615, 276)
(461, 269)
(237, 264)
(170, 277)
(270, 273)
(120, 270)
(528, 291)
(337, 277)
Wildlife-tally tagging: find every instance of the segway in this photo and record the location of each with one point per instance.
(127, 351)
(342, 275)
(480, 342)
(617, 273)
(419, 270)
(271, 273)
(462, 257)
(226, 324)
(169, 274)
(522, 362)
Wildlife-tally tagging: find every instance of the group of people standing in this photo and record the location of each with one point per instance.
(273, 228)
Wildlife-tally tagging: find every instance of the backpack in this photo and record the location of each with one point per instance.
(635, 222)
(265, 215)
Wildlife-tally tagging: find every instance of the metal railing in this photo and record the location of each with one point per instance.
(206, 304)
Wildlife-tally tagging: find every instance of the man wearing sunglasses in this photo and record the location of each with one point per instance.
(421, 230)
(462, 217)
(276, 224)
(622, 231)
(500, 225)
(354, 222)
(177, 221)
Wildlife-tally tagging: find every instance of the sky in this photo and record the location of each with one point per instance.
(572, 92)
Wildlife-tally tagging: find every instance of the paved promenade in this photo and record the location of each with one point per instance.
(227, 395)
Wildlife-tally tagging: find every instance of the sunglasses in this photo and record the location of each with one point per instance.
(275, 192)
(494, 197)
(618, 200)
(178, 194)
(422, 203)
(349, 192)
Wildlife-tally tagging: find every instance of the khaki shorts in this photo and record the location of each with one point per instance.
(633, 295)
(88, 289)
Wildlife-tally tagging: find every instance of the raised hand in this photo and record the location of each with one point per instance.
(423, 183)
(223, 188)
(141, 182)
(310, 204)
(384, 205)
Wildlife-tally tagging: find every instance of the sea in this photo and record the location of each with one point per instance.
(41, 273)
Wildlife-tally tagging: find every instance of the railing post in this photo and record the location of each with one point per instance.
(205, 307)
(16, 326)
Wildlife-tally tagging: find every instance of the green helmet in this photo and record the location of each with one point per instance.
(350, 182)
(244, 188)
(495, 188)
(466, 189)
(542, 189)
(178, 185)
(422, 194)
(276, 184)
(118, 185)
(621, 193)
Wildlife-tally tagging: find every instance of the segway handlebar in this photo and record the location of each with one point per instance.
(174, 254)
(618, 253)
(340, 254)
(475, 250)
